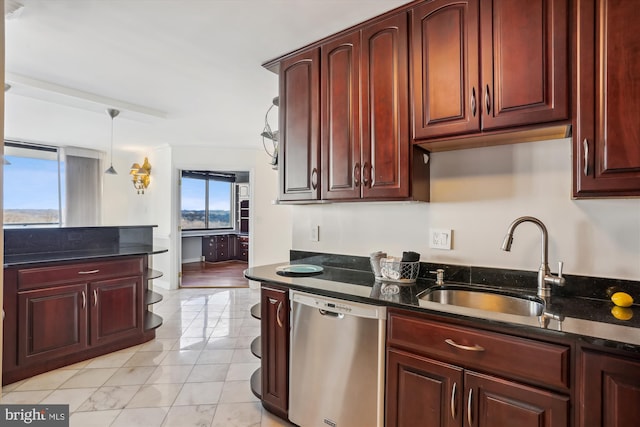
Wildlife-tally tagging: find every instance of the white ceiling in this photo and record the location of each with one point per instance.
(181, 71)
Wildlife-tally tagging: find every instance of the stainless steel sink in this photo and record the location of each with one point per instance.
(485, 299)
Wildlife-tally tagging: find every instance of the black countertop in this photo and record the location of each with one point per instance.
(28, 246)
(587, 317)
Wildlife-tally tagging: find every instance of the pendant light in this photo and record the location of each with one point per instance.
(113, 113)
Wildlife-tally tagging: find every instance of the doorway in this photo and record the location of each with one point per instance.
(214, 224)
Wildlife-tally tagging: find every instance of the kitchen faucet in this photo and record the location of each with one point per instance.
(545, 278)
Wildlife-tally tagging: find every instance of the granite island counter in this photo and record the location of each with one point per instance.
(71, 294)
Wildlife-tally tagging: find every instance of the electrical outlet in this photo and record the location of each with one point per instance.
(440, 238)
(315, 233)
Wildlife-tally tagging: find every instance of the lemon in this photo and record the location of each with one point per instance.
(622, 299)
(622, 313)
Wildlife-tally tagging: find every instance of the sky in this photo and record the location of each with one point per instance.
(193, 192)
(30, 183)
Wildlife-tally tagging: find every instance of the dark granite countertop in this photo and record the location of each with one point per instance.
(28, 246)
(20, 260)
(585, 316)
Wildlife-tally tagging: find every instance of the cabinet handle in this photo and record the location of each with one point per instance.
(95, 297)
(365, 175)
(454, 410)
(89, 272)
(585, 146)
(356, 174)
(84, 299)
(314, 178)
(473, 101)
(487, 99)
(474, 347)
(278, 314)
(372, 175)
(469, 406)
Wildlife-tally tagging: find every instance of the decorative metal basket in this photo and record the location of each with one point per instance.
(399, 271)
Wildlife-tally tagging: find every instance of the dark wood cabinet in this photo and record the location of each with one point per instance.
(445, 74)
(242, 248)
(485, 65)
(609, 390)
(422, 391)
(116, 309)
(387, 169)
(52, 323)
(218, 247)
(365, 121)
(524, 62)
(340, 117)
(606, 139)
(244, 216)
(299, 147)
(62, 313)
(434, 378)
(274, 332)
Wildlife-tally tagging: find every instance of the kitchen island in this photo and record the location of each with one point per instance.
(574, 364)
(71, 294)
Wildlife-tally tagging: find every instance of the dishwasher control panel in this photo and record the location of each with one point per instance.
(333, 305)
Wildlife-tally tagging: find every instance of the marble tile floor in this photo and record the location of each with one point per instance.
(195, 373)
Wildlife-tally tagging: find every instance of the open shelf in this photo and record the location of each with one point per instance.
(152, 297)
(256, 383)
(153, 274)
(151, 321)
(256, 347)
(255, 311)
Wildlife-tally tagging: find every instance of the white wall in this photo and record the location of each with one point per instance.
(121, 205)
(477, 193)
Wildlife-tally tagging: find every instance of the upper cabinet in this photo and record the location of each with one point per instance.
(481, 65)
(365, 121)
(300, 126)
(606, 146)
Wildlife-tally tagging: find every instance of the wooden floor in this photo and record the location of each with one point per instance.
(225, 274)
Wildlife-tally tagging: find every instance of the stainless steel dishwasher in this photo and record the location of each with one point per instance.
(336, 372)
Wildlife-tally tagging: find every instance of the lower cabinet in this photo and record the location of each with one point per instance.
(62, 313)
(115, 309)
(609, 392)
(52, 323)
(274, 332)
(434, 377)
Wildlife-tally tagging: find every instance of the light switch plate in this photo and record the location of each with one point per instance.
(315, 233)
(440, 238)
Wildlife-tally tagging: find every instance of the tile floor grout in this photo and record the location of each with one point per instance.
(195, 373)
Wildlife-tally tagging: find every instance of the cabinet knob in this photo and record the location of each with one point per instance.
(356, 175)
(314, 178)
(487, 99)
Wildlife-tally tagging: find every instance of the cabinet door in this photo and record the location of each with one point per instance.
(422, 391)
(299, 148)
(491, 401)
(385, 106)
(52, 322)
(609, 391)
(115, 309)
(445, 76)
(274, 321)
(340, 117)
(606, 151)
(525, 65)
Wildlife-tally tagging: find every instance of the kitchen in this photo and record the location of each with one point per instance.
(475, 192)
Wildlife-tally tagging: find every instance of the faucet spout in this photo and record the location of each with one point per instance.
(545, 278)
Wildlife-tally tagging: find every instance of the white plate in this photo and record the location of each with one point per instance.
(300, 269)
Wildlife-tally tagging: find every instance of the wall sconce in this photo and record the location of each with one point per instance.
(140, 175)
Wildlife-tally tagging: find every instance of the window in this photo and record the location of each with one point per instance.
(32, 190)
(206, 200)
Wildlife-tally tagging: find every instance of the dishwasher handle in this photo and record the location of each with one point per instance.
(331, 313)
